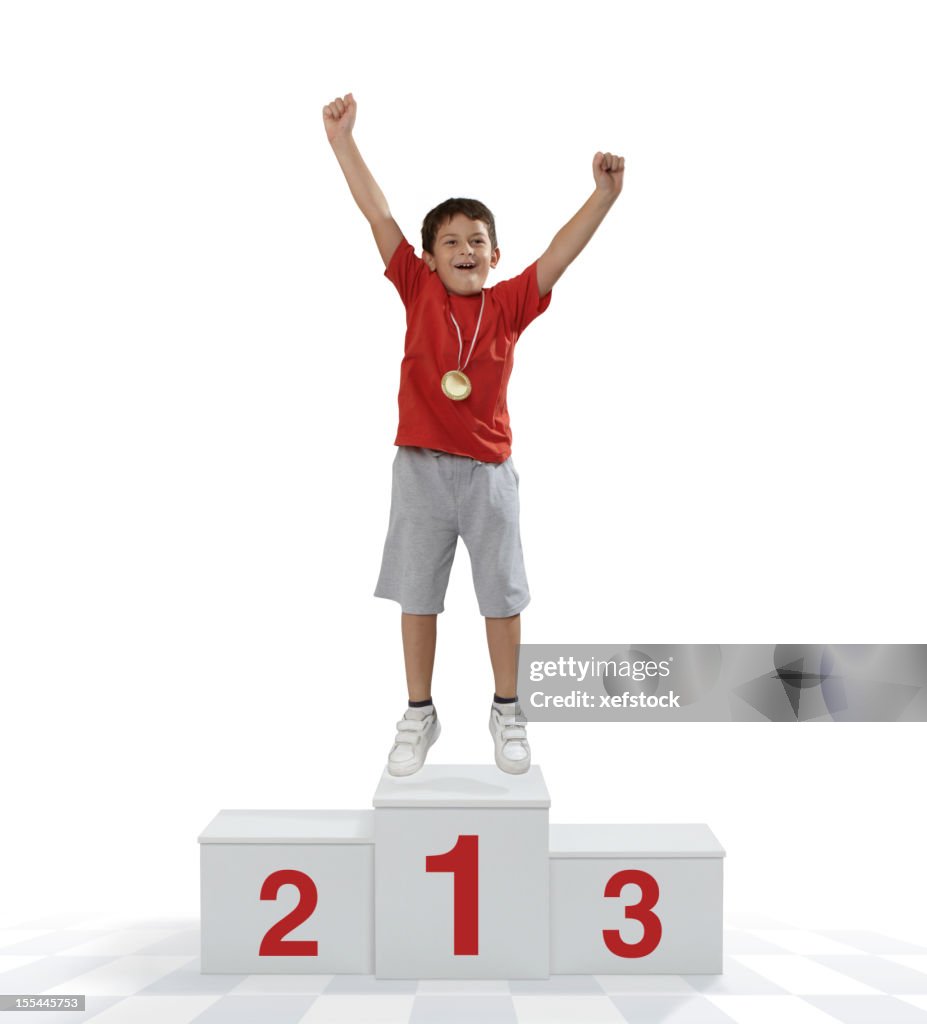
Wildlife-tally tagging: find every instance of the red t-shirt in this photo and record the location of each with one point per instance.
(478, 425)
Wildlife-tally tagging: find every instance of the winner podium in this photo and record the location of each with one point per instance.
(457, 873)
(462, 874)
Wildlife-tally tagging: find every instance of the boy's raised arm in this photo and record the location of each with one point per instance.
(570, 240)
(338, 117)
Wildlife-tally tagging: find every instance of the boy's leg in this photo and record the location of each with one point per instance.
(419, 636)
(503, 637)
(489, 527)
(419, 726)
(417, 559)
(506, 722)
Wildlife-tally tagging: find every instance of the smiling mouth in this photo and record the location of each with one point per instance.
(465, 266)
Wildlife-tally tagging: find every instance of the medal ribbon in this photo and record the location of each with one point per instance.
(460, 336)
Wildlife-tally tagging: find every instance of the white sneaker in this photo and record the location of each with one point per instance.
(417, 730)
(507, 725)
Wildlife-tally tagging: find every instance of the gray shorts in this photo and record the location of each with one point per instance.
(436, 498)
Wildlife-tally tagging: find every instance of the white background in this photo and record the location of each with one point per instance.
(718, 423)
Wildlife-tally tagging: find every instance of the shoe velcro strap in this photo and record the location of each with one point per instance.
(401, 741)
(409, 726)
(513, 732)
(408, 740)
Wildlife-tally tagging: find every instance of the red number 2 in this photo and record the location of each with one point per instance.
(463, 861)
(273, 943)
(642, 911)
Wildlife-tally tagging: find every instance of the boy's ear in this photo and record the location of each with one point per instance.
(429, 260)
(496, 256)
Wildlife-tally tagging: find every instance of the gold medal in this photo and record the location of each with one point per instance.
(456, 385)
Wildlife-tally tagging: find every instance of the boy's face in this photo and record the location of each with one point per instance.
(462, 258)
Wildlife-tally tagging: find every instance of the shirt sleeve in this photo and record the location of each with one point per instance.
(519, 298)
(406, 271)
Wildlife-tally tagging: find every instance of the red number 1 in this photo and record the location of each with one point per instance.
(463, 862)
(642, 911)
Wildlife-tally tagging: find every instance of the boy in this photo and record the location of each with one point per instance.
(453, 474)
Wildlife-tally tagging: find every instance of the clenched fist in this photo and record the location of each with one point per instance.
(338, 117)
(608, 171)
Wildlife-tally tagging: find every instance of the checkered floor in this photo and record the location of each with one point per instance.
(147, 972)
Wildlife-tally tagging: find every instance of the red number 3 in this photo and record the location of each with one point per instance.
(274, 943)
(642, 911)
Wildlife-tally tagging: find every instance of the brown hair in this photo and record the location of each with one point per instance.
(447, 210)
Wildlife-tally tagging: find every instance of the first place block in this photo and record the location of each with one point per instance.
(287, 892)
(462, 874)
